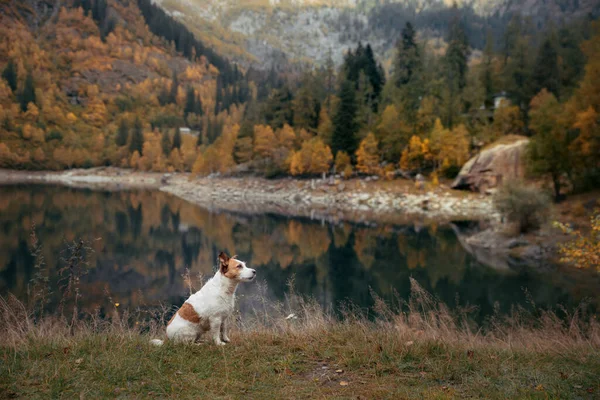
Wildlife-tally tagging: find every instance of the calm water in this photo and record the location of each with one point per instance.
(144, 241)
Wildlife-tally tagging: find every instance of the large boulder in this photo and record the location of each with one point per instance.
(500, 161)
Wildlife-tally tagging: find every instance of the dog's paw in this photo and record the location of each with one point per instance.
(226, 339)
(220, 343)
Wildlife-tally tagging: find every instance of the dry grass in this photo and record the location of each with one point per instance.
(293, 349)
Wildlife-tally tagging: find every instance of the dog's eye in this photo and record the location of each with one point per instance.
(239, 266)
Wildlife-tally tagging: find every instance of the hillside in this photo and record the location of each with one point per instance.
(266, 34)
(77, 72)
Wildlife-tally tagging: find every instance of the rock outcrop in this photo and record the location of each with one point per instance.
(501, 161)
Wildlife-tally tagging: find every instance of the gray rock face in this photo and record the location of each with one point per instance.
(495, 164)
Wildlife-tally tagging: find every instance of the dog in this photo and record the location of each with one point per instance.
(209, 309)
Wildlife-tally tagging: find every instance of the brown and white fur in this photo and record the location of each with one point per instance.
(209, 309)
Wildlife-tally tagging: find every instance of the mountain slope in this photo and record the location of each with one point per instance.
(265, 33)
(76, 72)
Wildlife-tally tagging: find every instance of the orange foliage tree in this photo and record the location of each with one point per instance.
(313, 158)
(367, 156)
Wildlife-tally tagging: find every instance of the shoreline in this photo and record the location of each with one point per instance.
(333, 200)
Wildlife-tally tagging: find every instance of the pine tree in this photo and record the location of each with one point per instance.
(456, 64)
(176, 140)
(407, 61)
(546, 74)
(174, 89)
(487, 70)
(28, 93)
(408, 73)
(122, 133)
(190, 102)
(345, 126)
(10, 75)
(137, 137)
(165, 143)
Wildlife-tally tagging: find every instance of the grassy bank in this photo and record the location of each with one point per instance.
(423, 352)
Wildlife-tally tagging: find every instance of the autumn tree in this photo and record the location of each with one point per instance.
(417, 155)
(264, 142)
(367, 156)
(313, 158)
(343, 164)
(393, 133)
(507, 121)
(122, 133)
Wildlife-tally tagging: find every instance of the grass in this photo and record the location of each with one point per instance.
(423, 351)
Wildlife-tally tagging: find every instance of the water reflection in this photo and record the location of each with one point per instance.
(149, 238)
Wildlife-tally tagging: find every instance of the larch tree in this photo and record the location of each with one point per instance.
(367, 156)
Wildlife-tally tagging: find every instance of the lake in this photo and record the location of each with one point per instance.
(144, 242)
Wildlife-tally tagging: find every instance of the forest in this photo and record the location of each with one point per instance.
(111, 82)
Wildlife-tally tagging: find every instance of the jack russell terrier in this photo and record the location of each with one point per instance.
(209, 309)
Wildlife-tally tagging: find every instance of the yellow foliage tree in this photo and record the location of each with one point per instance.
(449, 148)
(313, 158)
(243, 150)
(367, 156)
(507, 121)
(417, 155)
(264, 141)
(343, 165)
(134, 160)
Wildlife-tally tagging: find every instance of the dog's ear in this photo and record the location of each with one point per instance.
(223, 262)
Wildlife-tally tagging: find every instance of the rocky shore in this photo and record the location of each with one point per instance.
(359, 200)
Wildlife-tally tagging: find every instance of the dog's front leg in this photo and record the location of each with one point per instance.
(215, 330)
(225, 330)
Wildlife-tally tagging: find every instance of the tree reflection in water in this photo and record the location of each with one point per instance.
(149, 238)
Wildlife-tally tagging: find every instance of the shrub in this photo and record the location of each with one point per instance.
(584, 250)
(524, 205)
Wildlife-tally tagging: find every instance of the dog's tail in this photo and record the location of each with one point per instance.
(157, 342)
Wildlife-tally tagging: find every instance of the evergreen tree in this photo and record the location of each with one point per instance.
(519, 71)
(546, 74)
(278, 110)
(456, 66)
(219, 96)
(198, 109)
(165, 143)
(122, 133)
(487, 70)
(28, 93)
(174, 89)
(190, 102)
(176, 140)
(407, 62)
(10, 75)
(137, 137)
(408, 73)
(344, 120)
(99, 11)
